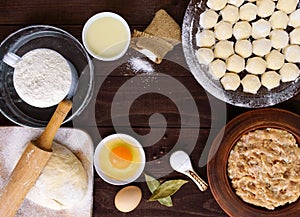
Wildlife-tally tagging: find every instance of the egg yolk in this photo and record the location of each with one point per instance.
(120, 157)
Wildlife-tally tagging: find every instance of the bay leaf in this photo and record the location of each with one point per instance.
(167, 188)
(153, 184)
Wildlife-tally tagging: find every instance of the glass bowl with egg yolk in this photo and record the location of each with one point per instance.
(119, 159)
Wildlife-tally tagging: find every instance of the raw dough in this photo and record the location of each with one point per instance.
(256, 65)
(237, 3)
(261, 46)
(62, 183)
(205, 55)
(275, 60)
(242, 30)
(243, 48)
(251, 84)
(295, 36)
(224, 49)
(235, 63)
(205, 38)
(289, 72)
(292, 53)
(279, 20)
(295, 19)
(265, 8)
(270, 79)
(208, 19)
(279, 38)
(261, 29)
(248, 12)
(223, 30)
(216, 4)
(217, 68)
(231, 81)
(288, 6)
(230, 13)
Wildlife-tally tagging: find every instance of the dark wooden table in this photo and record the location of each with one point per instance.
(178, 129)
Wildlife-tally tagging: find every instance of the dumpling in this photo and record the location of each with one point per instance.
(235, 63)
(292, 53)
(205, 38)
(230, 81)
(256, 65)
(243, 48)
(223, 30)
(230, 13)
(279, 20)
(248, 12)
(236, 3)
(216, 4)
(295, 19)
(288, 6)
(279, 38)
(223, 49)
(205, 55)
(261, 46)
(251, 84)
(208, 19)
(242, 30)
(275, 60)
(295, 36)
(289, 72)
(217, 68)
(261, 29)
(270, 79)
(265, 8)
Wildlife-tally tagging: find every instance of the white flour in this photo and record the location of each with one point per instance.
(42, 78)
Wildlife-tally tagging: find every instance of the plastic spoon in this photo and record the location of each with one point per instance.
(181, 163)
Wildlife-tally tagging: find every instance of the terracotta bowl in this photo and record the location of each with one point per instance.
(218, 179)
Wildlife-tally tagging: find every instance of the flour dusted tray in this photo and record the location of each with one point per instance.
(13, 141)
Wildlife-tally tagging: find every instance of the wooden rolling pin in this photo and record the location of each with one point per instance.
(31, 164)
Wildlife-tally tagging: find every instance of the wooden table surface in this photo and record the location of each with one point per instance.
(175, 121)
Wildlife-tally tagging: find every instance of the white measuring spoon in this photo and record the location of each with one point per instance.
(181, 163)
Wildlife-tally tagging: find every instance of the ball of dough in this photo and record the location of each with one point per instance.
(279, 20)
(295, 36)
(251, 84)
(261, 46)
(230, 13)
(295, 19)
(243, 48)
(236, 3)
(205, 55)
(292, 53)
(62, 183)
(261, 29)
(279, 38)
(223, 49)
(288, 6)
(216, 4)
(205, 38)
(208, 19)
(270, 79)
(289, 72)
(217, 68)
(275, 60)
(223, 30)
(265, 8)
(235, 63)
(242, 30)
(248, 12)
(230, 81)
(256, 65)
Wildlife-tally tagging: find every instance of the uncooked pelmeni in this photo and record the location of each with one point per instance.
(295, 36)
(235, 63)
(279, 20)
(275, 60)
(236, 3)
(205, 55)
(205, 38)
(248, 12)
(289, 72)
(279, 38)
(217, 68)
(223, 49)
(256, 65)
(251, 84)
(242, 30)
(265, 8)
(261, 46)
(292, 53)
(261, 29)
(208, 19)
(216, 4)
(295, 19)
(243, 48)
(223, 30)
(62, 183)
(231, 81)
(230, 13)
(288, 6)
(270, 80)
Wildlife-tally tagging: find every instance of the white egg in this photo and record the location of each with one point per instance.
(128, 198)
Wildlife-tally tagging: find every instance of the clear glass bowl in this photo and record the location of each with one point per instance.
(41, 36)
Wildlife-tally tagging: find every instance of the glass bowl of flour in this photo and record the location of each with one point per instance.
(34, 47)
